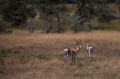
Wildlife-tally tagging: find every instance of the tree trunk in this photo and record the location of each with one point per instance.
(119, 7)
(59, 28)
(59, 24)
(89, 26)
(80, 12)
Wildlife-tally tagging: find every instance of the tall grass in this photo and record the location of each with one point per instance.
(39, 55)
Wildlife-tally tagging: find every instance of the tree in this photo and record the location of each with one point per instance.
(16, 11)
(118, 3)
(50, 12)
(80, 5)
(104, 14)
(60, 9)
(2, 26)
(13, 11)
(86, 10)
(84, 13)
(111, 1)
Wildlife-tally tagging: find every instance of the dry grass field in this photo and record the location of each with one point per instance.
(40, 56)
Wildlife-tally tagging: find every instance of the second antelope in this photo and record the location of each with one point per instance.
(89, 51)
(72, 51)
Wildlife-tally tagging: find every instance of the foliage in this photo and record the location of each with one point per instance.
(104, 14)
(118, 3)
(55, 15)
(106, 26)
(111, 1)
(86, 10)
(50, 12)
(2, 26)
(16, 11)
(84, 13)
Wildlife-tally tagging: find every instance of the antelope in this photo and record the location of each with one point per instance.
(89, 51)
(72, 51)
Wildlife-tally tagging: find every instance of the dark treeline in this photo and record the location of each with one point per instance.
(55, 14)
(73, 1)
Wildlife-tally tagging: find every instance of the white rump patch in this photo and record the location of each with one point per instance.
(66, 52)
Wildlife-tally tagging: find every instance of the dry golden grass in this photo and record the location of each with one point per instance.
(104, 65)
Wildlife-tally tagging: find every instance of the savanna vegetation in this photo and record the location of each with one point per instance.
(40, 55)
(34, 33)
(57, 15)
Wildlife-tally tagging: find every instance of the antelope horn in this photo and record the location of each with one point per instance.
(76, 41)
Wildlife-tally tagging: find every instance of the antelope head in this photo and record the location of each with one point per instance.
(78, 43)
(86, 42)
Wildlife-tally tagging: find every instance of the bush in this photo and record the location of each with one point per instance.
(106, 26)
(2, 26)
